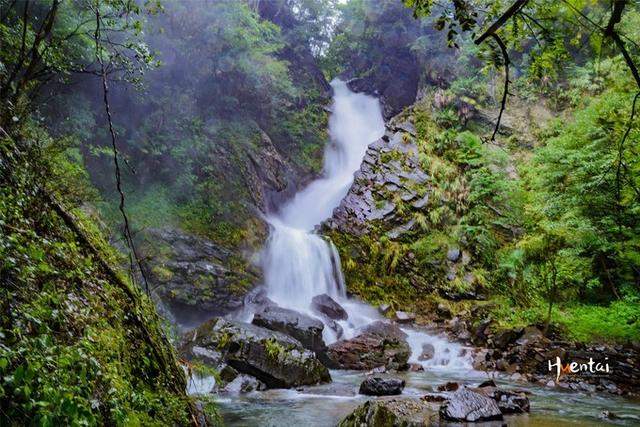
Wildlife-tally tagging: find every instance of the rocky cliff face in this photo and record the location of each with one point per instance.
(398, 228)
(194, 277)
(390, 171)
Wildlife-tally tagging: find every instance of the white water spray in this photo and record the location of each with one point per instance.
(299, 264)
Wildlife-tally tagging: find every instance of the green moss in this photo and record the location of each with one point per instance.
(162, 273)
(79, 346)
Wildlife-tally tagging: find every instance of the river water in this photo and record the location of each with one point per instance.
(299, 264)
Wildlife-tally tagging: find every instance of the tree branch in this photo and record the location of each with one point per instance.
(515, 7)
(505, 93)
(105, 91)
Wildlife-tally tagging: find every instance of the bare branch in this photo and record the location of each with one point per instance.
(105, 90)
(503, 103)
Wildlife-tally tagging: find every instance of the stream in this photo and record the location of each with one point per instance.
(299, 264)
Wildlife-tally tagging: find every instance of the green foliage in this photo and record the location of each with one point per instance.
(582, 193)
(588, 323)
(79, 347)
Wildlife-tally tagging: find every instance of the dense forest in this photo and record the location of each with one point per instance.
(146, 148)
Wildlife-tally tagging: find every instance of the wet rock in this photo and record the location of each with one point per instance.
(274, 358)
(404, 317)
(243, 384)
(516, 377)
(449, 386)
(512, 403)
(531, 335)
(335, 327)
(384, 308)
(503, 365)
(329, 307)
(487, 383)
(402, 229)
(434, 397)
(208, 356)
(415, 367)
(428, 351)
(509, 401)
(378, 370)
(385, 329)
(380, 344)
(257, 300)
(466, 405)
(608, 415)
(443, 311)
(228, 374)
(195, 277)
(421, 202)
(504, 338)
(392, 413)
(590, 388)
(378, 386)
(481, 331)
(303, 328)
(406, 126)
(454, 254)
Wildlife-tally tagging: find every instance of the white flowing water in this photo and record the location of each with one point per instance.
(299, 264)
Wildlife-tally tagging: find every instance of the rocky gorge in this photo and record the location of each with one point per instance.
(284, 348)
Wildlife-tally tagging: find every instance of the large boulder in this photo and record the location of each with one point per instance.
(276, 359)
(378, 386)
(324, 304)
(392, 413)
(385, 329)
(468, 406)
(195, 278)
(379, 344)
(303, 328)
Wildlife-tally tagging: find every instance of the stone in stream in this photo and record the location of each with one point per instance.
(466, 405)
(392, 413)
(428, 351)
(243, 384)
(379, 344)
(272, 357)
(304, 328)
(335, 327)
(378, 386)
(449, 386)
(509, 401)
(415, 367)
(385, 329)
(326, 305)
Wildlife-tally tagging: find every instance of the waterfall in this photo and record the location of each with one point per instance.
(299, 264)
